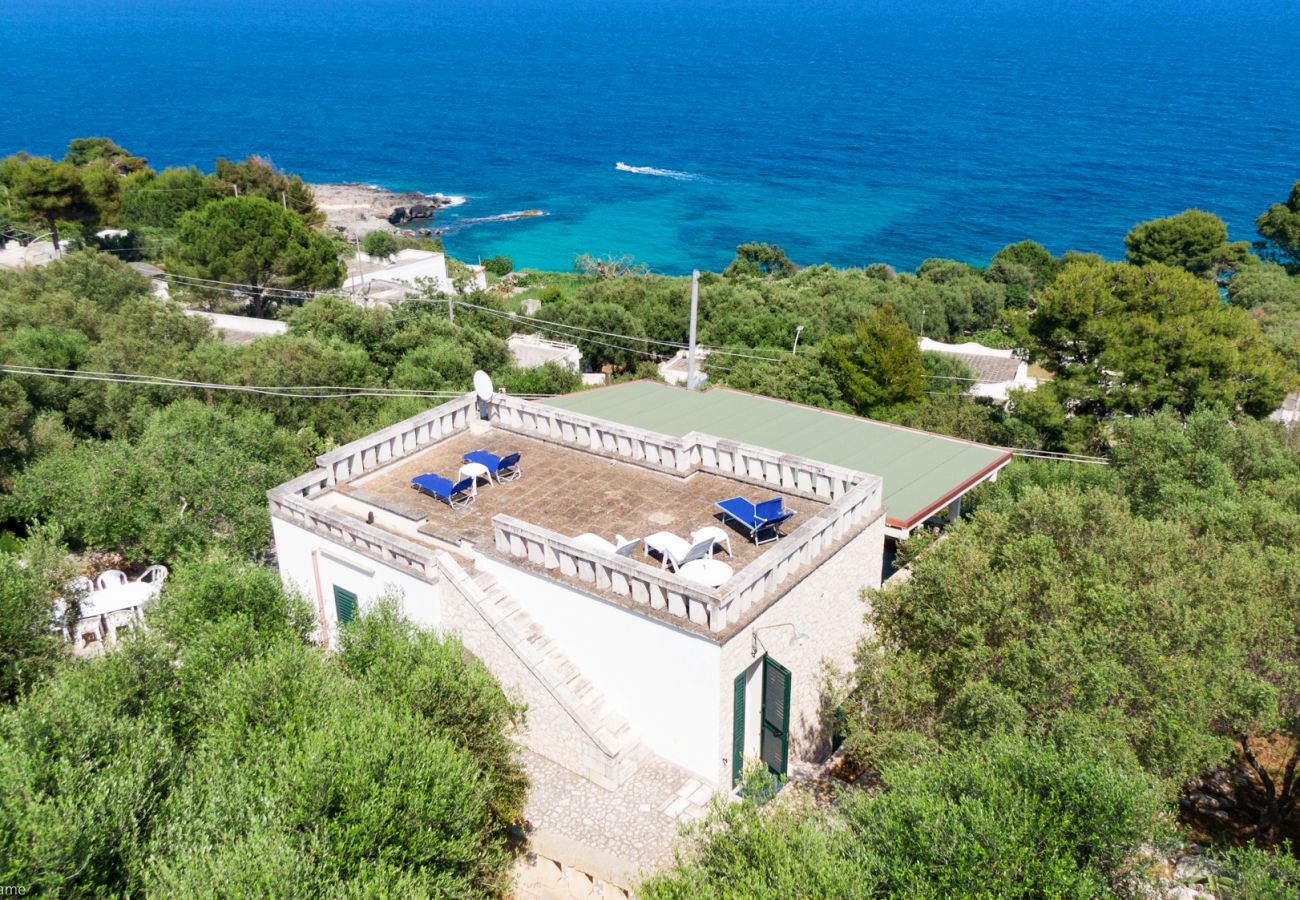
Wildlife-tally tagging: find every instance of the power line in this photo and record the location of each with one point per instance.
(644, 340)
(532, 323)
(294, 391)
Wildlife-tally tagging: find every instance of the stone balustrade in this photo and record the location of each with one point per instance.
(591, 434)
(395, 441)
(732, 459)
(645, 585)
(347, 531)
(780, 470)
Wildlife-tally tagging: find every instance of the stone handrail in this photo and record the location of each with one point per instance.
(395, 441)
(781, 470)
(645, 585)
(799, 549)
(695, 450)
(346, 531)
(592, 434)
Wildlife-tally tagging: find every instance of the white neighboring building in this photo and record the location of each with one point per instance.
(996, 372)
(1289, 412)
(15, 256)
(394, 279)
(240, 329)
(674, 370)
(529, 351)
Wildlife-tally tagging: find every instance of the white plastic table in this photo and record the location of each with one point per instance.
(475, 471)
(708, 572)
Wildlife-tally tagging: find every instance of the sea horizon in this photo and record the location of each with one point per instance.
(847, 133)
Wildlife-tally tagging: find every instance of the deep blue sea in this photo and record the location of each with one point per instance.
(848, 132)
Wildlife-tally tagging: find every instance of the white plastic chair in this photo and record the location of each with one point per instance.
(120, 622)
(675, 551)
(719, 536)
(110, 578)
(154, 575)
(626, 546)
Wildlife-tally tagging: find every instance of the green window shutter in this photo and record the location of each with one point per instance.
(345, 605)
(738, 730)
(774, 748)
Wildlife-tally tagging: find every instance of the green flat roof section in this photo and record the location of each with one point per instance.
(922, 471)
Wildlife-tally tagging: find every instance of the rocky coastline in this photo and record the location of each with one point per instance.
(356, 209)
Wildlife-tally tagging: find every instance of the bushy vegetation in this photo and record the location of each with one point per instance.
(1010, 818)
(221, 752)
(170, 471)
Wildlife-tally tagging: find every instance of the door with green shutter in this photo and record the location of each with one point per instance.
(738, 729)
(345, 605)
(774, 746)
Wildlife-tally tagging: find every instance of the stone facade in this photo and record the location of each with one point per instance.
(827, 606)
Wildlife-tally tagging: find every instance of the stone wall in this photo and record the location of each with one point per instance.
(825, 605)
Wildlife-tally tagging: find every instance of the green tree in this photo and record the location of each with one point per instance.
(1124, 339)
(84, 151)
(257, 176)
(161, 201)
(500, 266)
(254, 242)
(879, 365)
(1042, 266)
(760, 259)
(379, 244)
(1194, 240)
(1279, 226)
(50, 192)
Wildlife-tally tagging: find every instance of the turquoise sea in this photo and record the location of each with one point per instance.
(848, 132)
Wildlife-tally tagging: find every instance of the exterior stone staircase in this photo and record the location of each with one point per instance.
(610, 751)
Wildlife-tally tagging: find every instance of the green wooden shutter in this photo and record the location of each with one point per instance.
(738, 730)
(345, 605)
(774, 748)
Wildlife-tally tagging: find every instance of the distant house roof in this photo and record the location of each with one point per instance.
(147, 270)
(988, 369)
(922, 472)
(528, 351)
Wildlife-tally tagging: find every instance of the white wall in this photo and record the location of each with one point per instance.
(661, 679)
(303, 554)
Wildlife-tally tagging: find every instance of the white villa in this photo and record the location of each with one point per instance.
(394, 279)
(627, 662)
(996, 372)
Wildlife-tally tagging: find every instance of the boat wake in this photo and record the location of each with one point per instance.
(651, 170)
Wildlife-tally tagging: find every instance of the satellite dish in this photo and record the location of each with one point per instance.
(483, 385)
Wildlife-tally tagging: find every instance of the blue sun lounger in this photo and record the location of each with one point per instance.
(457, 495)
(756, 519)
(505, 468)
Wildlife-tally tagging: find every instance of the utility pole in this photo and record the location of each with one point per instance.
(284, 201)
(795, 349)
(690, 350)
(922, 321)
(451, 308)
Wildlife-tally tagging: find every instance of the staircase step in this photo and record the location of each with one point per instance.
(612, 735)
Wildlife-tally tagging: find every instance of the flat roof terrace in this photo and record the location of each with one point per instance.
(922, 472)
(568, 491)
